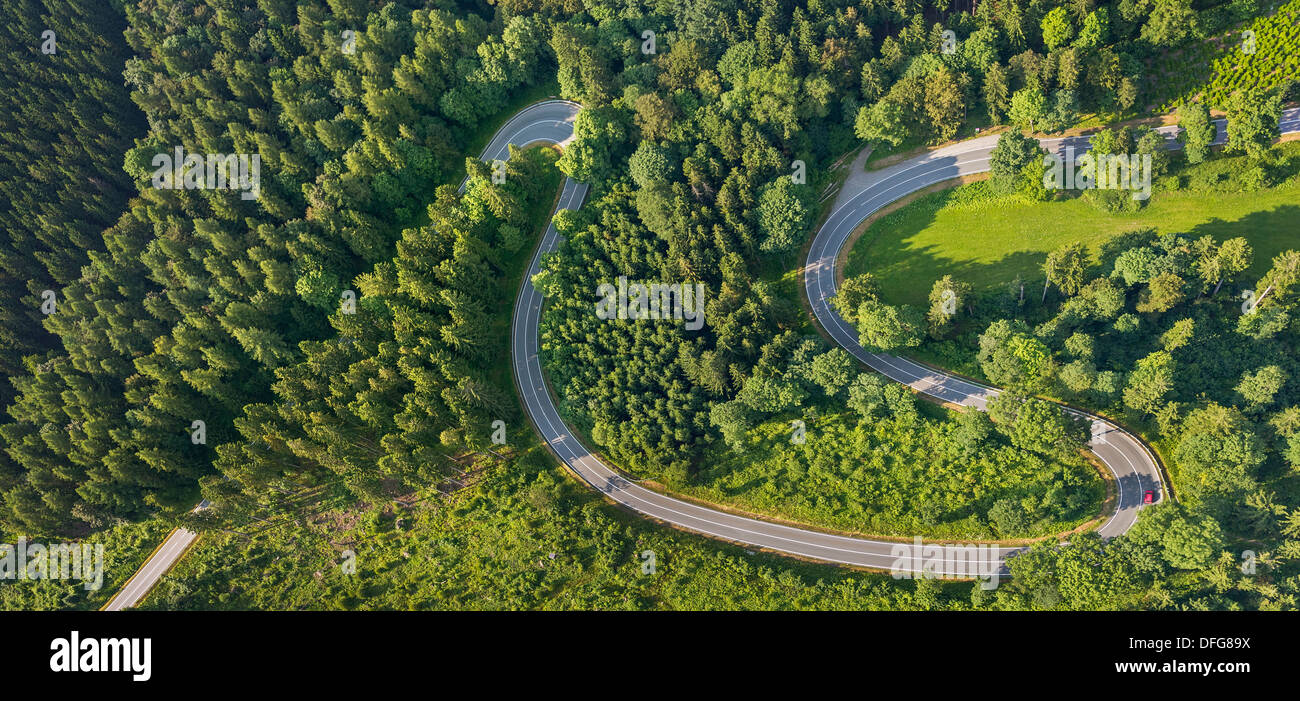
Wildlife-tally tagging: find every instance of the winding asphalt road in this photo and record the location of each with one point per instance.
(1132, 464)
(551, 122)
(544, 123)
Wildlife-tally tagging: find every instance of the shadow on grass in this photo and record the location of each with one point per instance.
(1269, 232)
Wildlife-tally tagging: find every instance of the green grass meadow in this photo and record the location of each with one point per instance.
(987, 240)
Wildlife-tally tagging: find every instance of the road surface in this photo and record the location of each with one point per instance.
(162, 560)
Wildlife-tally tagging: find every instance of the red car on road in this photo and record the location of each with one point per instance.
(1149, 497)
